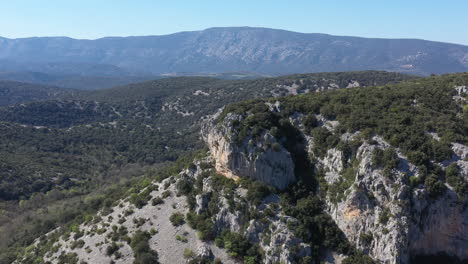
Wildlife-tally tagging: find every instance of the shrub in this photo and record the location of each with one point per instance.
(454, 179)
(141, 249)
(77, 244)
(384, 216)
(203, 224)
(219, 242)
(166, 194)
(177, 219)
(387, 159)
(156, 201)
(366, 238)
(184, 186)
(181, 238)
(239, 247)
(112, 248)
(257, 191)
(68, 258)
(434, 186)
(309, 121)
(142, 198)
(189, 254)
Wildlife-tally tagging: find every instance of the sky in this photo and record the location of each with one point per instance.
(437, 20)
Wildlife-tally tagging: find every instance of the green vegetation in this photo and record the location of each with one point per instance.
(453, 177)
(314, 226)
(68, 258)
(181, 238)
(386, 159)
(337, 190)
(401, 113)
(141, 250)
(54, 153)
(177, 219)
(240, 248)
(257, 191)
(142, 198)
(384, 216)
(90, 155)
(12, 92)
(366, 238)
(67, 215)
(203, 224)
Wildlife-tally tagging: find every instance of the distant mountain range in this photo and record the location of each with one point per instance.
(218, 50)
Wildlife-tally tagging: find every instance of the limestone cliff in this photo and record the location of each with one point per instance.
(388, 220)
(264, 160)
(379, 210)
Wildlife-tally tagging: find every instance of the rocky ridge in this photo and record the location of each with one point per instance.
(379, 211)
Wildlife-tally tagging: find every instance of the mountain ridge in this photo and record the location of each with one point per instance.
(262, 50)
(222, 28)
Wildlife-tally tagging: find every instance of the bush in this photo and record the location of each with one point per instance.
(323, 140)
(181, 238)
(387, 159)
(111, 249)
(219, 242)
(454, 179)
(177, 219)
(366, 238)
(257, 191)
(68, 258)
(141, 199)
(77, 244)
(184, 186)
(156, 201)
(384, 216)
(240, 248)
(434, 186)
(166, 194)
(203, 224)
(309, 121)
(141, 249)
(418, 158)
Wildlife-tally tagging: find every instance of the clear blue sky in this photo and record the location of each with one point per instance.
(440, 20)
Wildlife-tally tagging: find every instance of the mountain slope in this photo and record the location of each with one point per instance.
(152, 122)
(363, 175)
(261, 50)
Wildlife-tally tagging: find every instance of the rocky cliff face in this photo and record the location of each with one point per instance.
(378, 209)
(382, 216)
(264, 160)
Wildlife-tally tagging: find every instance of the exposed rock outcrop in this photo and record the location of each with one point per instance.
(378, 210)
(386, 219)
(264, 160)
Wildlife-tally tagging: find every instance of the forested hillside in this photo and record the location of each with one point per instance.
(143, 123)
(72, 146)
(376, 170)
(12, 93)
